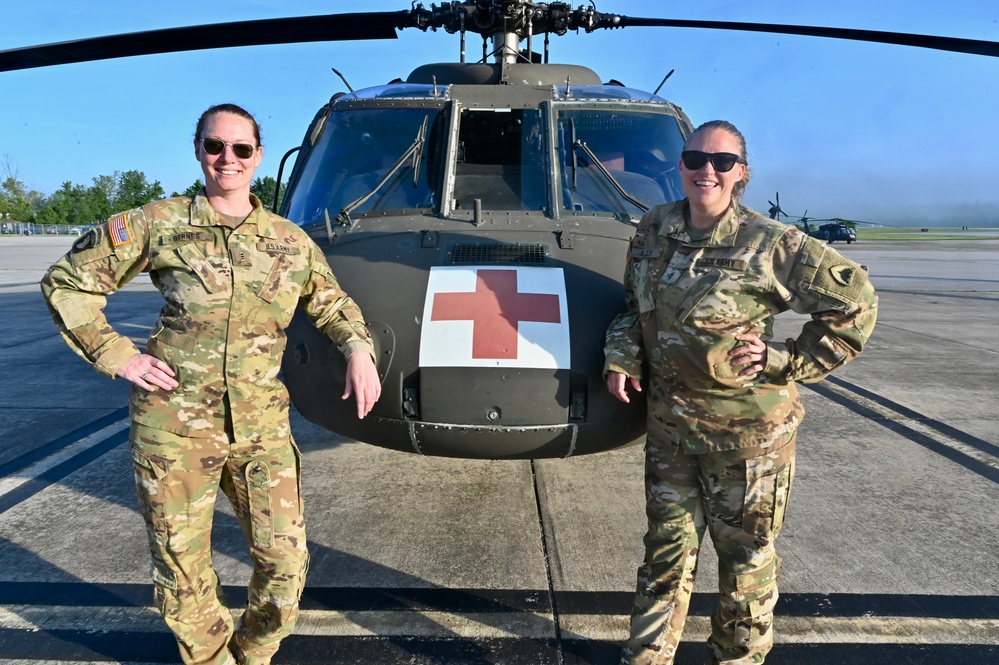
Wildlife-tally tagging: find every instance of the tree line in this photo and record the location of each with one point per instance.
(81, 205)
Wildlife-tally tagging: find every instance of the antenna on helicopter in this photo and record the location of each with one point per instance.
(342, 78)
(656, 91)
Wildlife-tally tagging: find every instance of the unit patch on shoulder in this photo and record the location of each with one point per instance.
(89, 240)
(119, 231)
(842, 274)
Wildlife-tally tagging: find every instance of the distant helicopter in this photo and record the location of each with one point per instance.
(837, 228)
(479, 213)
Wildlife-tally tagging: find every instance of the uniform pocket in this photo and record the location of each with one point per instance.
(298, 476)
(644, 293)
(258, 488)
(149, 474)
(768, 490)
(210, 278)
(272, 283)
(695, 295)
(173, 338)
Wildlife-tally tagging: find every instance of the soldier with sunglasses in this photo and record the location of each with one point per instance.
(705, 278)
(208, 410)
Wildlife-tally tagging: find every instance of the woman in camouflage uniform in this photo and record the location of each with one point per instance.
(704, 280)
(208, 410)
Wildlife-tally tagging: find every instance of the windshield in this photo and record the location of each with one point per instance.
(639, 149)
(355, 153)
(500, 160)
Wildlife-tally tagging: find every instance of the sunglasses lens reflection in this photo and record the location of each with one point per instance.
(216, 146)
(692, 159)
(722, 161)
(245, 150)
(213, 146)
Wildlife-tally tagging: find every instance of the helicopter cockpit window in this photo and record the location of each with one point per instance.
(355, 154)
(500, 160)
(638, 149)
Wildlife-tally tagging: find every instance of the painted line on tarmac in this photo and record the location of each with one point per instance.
(524, 626)
(37, 476)
(73, 622)
(513, 601)
(100, 649)
(813, 630)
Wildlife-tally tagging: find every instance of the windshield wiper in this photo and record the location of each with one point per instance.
(572, 142)
(580, 145)
(421, 139)
(414, 151)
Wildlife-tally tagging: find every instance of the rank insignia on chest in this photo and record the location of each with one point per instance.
(118, 231)
(240, 257)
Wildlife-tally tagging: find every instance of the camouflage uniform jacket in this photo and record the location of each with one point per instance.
(688, 299)
(230, 294)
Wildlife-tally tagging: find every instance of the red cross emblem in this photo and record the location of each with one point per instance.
(496, 308)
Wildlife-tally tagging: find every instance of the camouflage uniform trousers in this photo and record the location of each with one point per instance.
(741, 497)
(178, 479)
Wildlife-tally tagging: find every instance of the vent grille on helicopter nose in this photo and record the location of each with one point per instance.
(523, 254)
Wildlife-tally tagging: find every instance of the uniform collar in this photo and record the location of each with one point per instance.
(258, 223)
(722, 234)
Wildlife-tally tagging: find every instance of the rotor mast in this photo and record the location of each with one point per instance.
(505, 23)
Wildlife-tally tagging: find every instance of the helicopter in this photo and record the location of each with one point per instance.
(836, 228)
(479, 212)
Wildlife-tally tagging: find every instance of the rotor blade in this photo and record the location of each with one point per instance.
(859, 221)
(956, 44)
(288, 30)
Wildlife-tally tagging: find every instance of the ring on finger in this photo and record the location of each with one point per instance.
(144, 375)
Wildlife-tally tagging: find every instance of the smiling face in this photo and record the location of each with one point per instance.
(226, 175)
(710, 192)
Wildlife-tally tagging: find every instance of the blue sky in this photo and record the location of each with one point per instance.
(848, 129)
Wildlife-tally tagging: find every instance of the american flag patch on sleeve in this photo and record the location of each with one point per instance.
(118, 228)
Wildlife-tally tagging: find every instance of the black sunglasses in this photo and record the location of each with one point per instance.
(722, 161)
(216, 146)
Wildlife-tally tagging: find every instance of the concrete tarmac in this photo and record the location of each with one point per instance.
(890, 546)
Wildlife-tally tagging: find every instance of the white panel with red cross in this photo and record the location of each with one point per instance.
(479, 316)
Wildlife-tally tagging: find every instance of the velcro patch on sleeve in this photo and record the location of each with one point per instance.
(74, 312)
(272, 247)
(118, 231)
(91, 246)
(837, 278)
